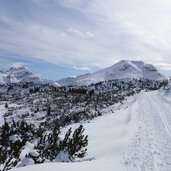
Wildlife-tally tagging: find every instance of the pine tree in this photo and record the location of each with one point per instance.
(5, 131)
(77, 144)
(9, 150)
(49, 110)
(6, 105)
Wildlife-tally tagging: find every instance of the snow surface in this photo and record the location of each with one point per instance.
(151, 147)
(121, 70)
(135, 136)
(28, 149)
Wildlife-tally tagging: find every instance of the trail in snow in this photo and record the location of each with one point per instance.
(150, 150)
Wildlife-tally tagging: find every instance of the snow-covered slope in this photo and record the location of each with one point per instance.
(120, 70)
(133, 136)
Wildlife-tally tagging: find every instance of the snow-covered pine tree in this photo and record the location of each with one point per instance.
(77, 144)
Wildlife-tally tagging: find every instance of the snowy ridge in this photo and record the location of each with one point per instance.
(121, 70)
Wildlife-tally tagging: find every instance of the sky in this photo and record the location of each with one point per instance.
(60, 38)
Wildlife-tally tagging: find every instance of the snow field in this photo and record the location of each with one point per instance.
(136, 137)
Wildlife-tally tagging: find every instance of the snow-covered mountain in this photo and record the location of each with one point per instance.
(18, 74)
(120, 70)
(21, 73)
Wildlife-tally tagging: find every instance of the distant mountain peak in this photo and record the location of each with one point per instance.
(121, 70)
(18, 74)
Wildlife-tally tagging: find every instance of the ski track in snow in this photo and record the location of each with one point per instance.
(150, 150)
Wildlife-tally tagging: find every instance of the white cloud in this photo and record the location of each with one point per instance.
(76, 32)
(83, 68)
(94, 32)
(164, 66)
(17, 64)
(80, 34)
(89, 34)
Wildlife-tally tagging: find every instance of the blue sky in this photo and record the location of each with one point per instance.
(60, 38)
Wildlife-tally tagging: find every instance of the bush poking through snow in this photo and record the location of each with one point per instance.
(15, 138)
(74, 144)
(10, 147)
(77, 144)
(6, 105)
